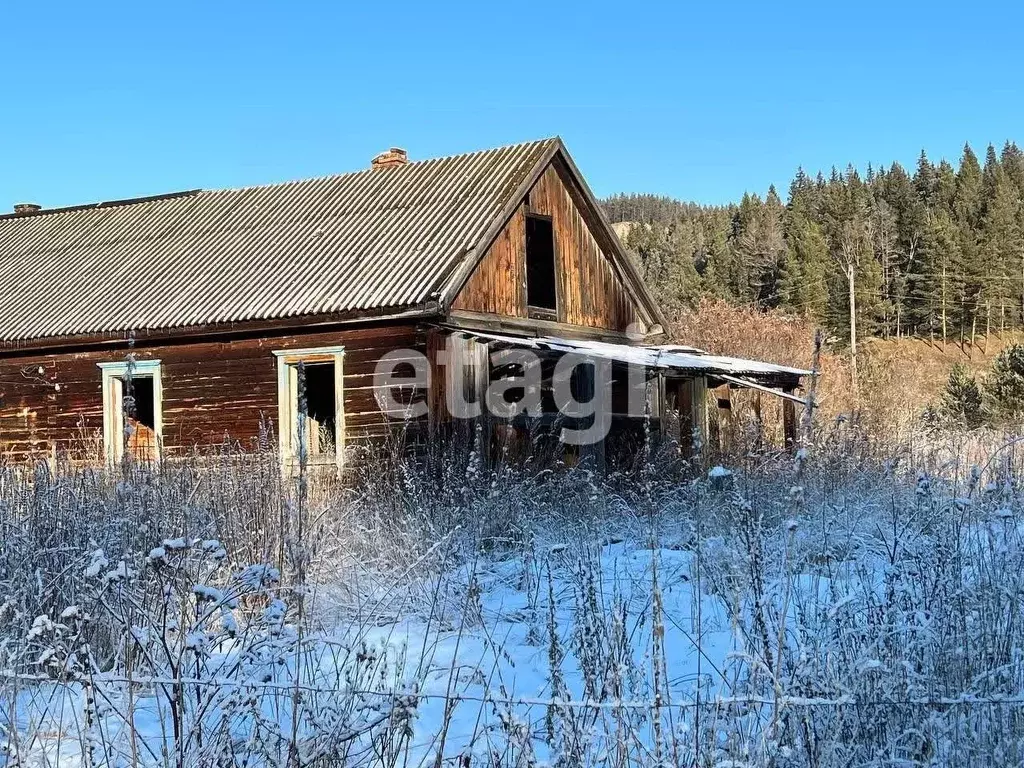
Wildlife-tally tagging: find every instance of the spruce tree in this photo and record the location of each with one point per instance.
(962, 400)
(1012, 160)
(1001, 245)
(803, 286)
(937, 283)
(967, 217)
(1004, 385)
(925, 180)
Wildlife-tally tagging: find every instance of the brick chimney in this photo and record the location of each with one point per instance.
(394, 156)
(27, 207)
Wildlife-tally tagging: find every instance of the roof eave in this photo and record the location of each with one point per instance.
(190, 334)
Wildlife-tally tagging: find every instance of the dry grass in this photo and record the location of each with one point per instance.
(852, 583)
(898, 378)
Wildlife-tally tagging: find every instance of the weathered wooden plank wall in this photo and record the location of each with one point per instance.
(590, 293)
(498, 285)
(213, 391)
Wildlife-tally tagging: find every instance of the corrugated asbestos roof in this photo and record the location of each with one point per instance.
(378, 239)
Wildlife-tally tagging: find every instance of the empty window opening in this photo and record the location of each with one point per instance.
(540, 265)
(132, 420)
(320, 409)
(140, 406)
(312, 425)
(138, 398)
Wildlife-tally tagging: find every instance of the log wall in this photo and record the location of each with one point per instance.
(213, 391)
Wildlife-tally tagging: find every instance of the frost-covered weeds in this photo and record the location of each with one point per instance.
(846, 606)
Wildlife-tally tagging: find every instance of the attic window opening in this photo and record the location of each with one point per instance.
(541, 293)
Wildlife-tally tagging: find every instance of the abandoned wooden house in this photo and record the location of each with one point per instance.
(188, 315)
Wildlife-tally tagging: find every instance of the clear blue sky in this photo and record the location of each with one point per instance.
(699, 101)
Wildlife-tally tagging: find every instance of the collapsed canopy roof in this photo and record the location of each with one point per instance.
(671, 359)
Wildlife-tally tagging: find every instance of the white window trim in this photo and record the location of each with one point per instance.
(287, 423)
(113, 411)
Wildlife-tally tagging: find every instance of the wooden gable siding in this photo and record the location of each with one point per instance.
(213, 391)
(589, 292)
(498, 284)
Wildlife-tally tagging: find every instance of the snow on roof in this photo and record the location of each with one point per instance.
(662, 357)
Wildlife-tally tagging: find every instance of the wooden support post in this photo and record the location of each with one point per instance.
(482, 371)
(594, 454)
(669, 421)
(789, 421)
(758, 420)
(686, 416)
(699, 394)
(437, 414)
(723, 416)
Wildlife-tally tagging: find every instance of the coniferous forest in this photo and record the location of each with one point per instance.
(937, 252)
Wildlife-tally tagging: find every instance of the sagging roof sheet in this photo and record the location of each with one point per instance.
(671, 358)
(376, 239)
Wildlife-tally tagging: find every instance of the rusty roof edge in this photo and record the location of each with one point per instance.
(169, 336)
(448, 287)
(103, 204)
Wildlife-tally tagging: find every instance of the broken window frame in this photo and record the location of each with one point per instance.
(288, 361)
(535, 311)
(113, 374)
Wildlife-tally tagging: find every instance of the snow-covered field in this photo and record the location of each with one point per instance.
(842, 610)
(467, 673)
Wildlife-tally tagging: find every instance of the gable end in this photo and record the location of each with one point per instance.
(597, 284)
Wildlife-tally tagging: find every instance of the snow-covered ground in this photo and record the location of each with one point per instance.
(469, 673)
(824, 612)
(497, 665)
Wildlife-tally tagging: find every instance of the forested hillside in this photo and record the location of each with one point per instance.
(938, 252)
